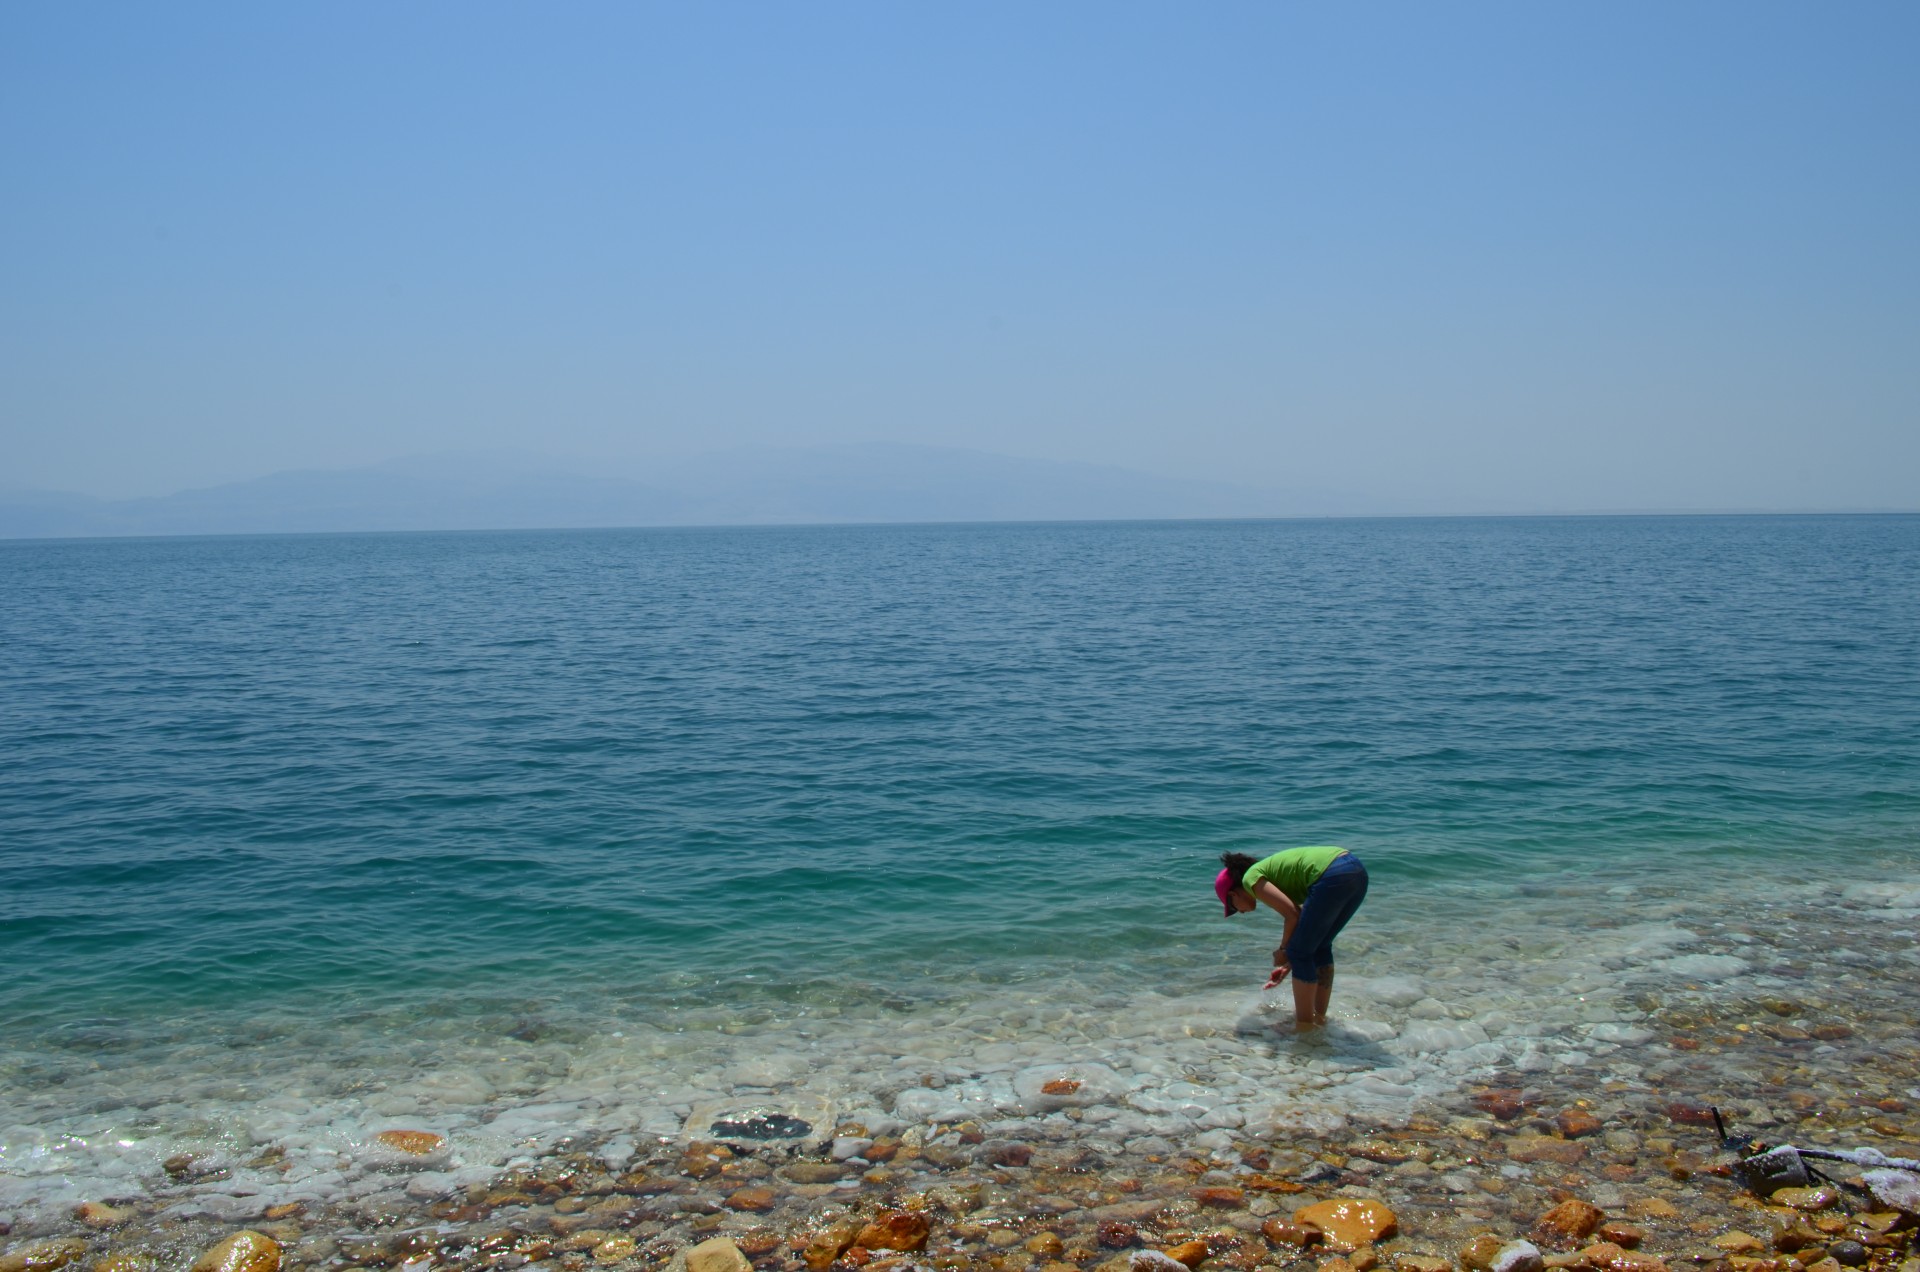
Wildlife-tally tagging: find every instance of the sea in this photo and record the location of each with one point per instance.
(527, 839)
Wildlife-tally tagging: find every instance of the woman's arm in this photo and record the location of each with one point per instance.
(1265, 891)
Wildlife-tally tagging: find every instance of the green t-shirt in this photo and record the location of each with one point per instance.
(1292, 871)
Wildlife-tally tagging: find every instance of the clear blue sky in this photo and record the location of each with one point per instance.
(1463, 255)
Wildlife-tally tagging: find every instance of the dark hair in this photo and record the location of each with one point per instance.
(1237, 864)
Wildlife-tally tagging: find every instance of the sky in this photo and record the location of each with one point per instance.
(1452, 257)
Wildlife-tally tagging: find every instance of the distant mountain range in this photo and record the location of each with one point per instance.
(500, 491)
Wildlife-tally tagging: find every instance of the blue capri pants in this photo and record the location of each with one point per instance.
(1330, 902)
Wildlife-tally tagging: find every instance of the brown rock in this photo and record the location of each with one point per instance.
(1796, 1237)
(614, 1249)
(1503, 1103)
(699, 1165)
(815, 1172)
(244, 1251)
(1478, 1254)
(1060, 1086)
(1010, 1154)
(1337, 1264)
(44, 1255)
(717, 1254)
(1382, 1151)
(1737, 1242)
(1575, 1123)
(100, 1215)
(1365, 1259)
(1191, 1253)
(1220, 1198)
(1115, 1235)
(828, 1244)
(286, 1210)
(128, 1261)
(758, 1241)
(1299, 1235)
(414, 1143)
(1821, 1198)
(1624, 1235)
(1653, 1208)
(1690, 1114)
(1545, 1148)
(1830, 1033)
(1567, 1224)
(749, 1199)
(1421, 1263)
(1047, 1245)
(895, 1230)
(1272, 1183)
(1350, 1222)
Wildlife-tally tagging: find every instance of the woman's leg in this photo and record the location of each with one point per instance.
(1330, 903)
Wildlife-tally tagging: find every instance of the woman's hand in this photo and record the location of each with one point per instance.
(1280, 971)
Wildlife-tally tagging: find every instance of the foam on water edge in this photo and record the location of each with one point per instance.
(1558, 990)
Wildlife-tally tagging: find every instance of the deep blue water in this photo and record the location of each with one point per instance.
(337, 773)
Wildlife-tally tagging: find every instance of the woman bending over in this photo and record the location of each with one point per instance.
(1316, 891)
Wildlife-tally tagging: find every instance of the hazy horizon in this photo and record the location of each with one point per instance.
(1487, 259)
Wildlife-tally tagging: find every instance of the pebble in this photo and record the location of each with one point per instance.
(1349, 1222)
(719, 1254)
(1519, 1256)
(413, 1143)
(43, 1256)
(244, 1251)
(1566, 1224)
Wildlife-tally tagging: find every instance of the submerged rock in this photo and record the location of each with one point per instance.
(43, 1256)
(412, 1143)
(1519, 1256)
(244, 1251)
(1350, 1222)
(718, 1254)
(1568, 1223)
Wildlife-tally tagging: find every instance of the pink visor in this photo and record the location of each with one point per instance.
(1223, 888)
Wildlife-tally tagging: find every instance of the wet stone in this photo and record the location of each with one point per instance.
(1567, 1223)
(244, 1251)
(1478, 1254)
(43, 1256)
(1574, 1123)
(1625, 1235)
(1350, 1222)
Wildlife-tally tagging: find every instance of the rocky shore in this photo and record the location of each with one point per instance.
(1509, 1179)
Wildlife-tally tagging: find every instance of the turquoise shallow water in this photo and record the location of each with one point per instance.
(389, 804)
(361, 768)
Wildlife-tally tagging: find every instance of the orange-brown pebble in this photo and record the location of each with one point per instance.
(1220, 1198)
(244, 1251)
(828, 1244)
(1624, 1235)
(1545, 1148)
(1566, 1224)
(1574, 1123)
(417, 1143)
(1191, 1253)
(750, 1199)
(1502, 1103)
(895, 1230)
(1350, 1222)
(1300, 1235)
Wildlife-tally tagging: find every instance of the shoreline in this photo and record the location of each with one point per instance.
(1466, 1113)
(1047, 1193)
